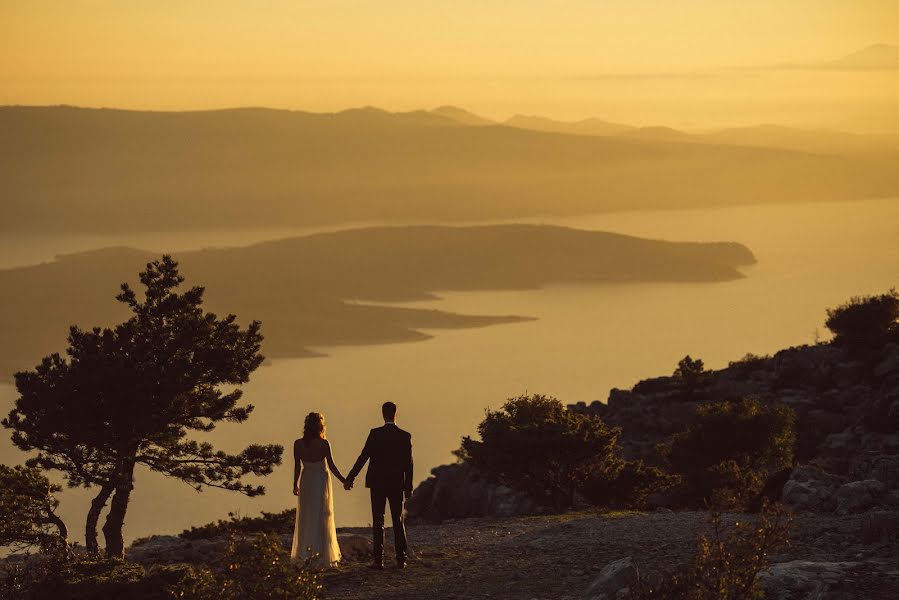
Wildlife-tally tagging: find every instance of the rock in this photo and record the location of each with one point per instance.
(616, 576)
(858, 496)
(355, 547)
(825, 421)
(874, 465)
(170, 549)
(810, 488)
(880, 527)
(461, 491)
(847, 374)
(805, 579)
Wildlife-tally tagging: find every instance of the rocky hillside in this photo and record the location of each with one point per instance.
(847, 427)
(847, 420)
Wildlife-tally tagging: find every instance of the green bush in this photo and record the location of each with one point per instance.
(689, 373)
(865, 321)
(725, 563)
(61, 574)
(281, 522)
(630, 487)
(727, 454)
(534, 443)
(260, 569)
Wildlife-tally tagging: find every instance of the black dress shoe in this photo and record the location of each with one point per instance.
(377, 566)
(401, 564)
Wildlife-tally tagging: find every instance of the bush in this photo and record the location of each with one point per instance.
(730, 450)
(725, 564)
(257, 570)
(61, 574)
(688, 372)
(281, 522)
(630, 486)
(865, 321)
(749, 363)
(535, 444)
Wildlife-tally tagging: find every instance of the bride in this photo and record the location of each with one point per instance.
(314, 533)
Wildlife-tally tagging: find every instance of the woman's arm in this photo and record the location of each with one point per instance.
(297, 467)
(332, 466)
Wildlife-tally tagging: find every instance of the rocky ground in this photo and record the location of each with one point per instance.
(564, 556)
(560, 556)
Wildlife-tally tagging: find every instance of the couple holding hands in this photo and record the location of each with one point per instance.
(388, 450)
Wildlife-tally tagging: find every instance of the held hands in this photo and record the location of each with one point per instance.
(347, 484)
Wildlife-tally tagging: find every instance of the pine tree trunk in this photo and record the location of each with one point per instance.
(115, 520)
(93, 517)
(61, 530)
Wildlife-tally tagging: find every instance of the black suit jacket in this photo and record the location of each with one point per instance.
(389, 450)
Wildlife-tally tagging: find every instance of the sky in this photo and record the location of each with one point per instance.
(685, 63)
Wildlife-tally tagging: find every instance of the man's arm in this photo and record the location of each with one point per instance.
(408, 474)
(360, 462)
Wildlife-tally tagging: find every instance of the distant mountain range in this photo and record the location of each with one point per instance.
(316, 290)
(76, 169)
(821, 141)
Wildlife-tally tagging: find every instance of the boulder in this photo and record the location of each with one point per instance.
(881, 527)
(874, 465)
(614, 580)
(459, 491)
(810, 488)
(805, 579)
(355, 547)
(858, 496)
(170, 549)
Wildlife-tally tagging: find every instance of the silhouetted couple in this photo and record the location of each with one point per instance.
(388, 451)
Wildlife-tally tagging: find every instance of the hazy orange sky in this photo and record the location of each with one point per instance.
(685, 63)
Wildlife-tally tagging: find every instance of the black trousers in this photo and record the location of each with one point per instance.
(379, 499)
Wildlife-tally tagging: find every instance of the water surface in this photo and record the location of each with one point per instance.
(587, 339)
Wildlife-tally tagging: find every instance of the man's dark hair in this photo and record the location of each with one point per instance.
(388, 409)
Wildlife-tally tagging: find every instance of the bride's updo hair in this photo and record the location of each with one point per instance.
(314, 427)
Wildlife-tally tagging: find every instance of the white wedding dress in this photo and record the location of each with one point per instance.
(314, 532)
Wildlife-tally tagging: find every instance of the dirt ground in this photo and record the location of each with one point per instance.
(556, 557)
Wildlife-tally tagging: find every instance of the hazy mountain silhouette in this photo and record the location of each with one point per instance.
(67, 168)
(876, 56)
(659, 133)
(305, 289)
(817, 141)
(461, 116)
(590, 126)
(821, 141)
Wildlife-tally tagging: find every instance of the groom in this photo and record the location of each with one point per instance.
(389, 478)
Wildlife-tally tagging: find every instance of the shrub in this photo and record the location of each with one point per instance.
(281, 522)
(688, 373)
(534, 443)
(258, 570)
(750, 362)
(62, 574)
(729, 451)
(726, 563)
(630, 486)
(865, 321)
